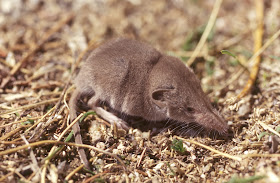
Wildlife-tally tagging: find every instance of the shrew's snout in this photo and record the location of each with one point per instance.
(212, 121)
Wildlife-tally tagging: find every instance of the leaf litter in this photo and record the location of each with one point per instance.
(54, 34)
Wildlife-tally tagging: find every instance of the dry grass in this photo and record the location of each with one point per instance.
(43, 42)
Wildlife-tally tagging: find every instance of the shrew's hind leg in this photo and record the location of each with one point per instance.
(73, 105)
(110, 117)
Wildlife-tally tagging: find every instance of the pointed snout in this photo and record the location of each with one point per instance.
(212, 121)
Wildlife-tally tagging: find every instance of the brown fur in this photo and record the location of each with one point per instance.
(135, 79)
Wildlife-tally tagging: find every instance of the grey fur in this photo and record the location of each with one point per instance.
(137, 80)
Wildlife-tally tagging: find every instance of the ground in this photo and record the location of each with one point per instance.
(43, 42)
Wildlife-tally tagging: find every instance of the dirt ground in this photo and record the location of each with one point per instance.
(43, 42)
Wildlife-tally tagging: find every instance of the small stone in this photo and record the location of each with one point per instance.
(244, 109)
(101, 145)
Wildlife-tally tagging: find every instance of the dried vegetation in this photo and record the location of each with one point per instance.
(42, 42)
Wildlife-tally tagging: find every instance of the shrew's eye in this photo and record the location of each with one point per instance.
(190, 109)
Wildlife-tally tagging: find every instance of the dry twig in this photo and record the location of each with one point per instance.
(207, 31)
(47, 159)
(20, 121)
(47, 142)
(95, 176)
(41, 119)
(33, 50)
(257, 59)
(211, 149)
(7, 135)
(29, 106)
(271, 39)
(68, 177)
(141, 157)
(266, 127)
(5, 177)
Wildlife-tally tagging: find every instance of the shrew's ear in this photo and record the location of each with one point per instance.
(161, 97)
